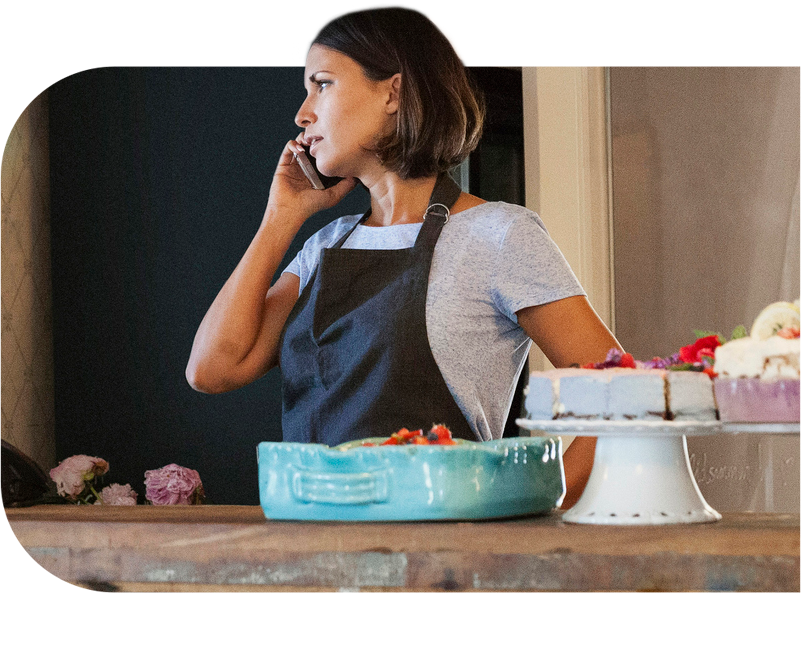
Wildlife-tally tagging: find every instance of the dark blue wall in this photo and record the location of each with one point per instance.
(159, 179)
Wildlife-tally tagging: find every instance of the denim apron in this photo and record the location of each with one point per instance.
(354, 354)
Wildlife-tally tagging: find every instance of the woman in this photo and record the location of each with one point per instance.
(420, 311)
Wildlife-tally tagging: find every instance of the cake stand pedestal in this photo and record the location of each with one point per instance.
(641, 473)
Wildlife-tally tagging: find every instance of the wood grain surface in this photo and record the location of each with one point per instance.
(202, 548)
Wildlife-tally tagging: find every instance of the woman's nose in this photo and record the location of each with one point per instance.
(304, 115)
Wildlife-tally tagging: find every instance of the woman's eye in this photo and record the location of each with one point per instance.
(322, 84)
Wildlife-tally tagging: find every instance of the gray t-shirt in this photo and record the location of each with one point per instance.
(489, 262)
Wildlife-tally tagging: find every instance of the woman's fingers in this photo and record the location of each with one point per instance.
(291, 149)
(291, 189)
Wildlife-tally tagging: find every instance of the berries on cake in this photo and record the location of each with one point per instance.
(757, 376)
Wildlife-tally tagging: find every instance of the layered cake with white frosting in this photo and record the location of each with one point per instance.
(620, 394)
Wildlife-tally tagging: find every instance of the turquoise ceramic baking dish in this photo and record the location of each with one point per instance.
(469, 481)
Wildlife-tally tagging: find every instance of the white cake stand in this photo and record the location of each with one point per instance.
(641, 473)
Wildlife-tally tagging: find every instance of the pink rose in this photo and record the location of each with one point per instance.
(74, 472)
(117, 495)
(173, 485)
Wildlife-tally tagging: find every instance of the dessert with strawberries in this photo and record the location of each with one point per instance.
(438, 435)
(757, 376)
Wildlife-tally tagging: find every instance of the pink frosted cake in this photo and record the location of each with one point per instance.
(758, 379)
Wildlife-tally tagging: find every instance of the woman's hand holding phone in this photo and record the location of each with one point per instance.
(292, 192)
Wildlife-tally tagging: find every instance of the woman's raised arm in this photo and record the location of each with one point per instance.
(237, 341)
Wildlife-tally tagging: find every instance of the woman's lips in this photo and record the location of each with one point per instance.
(312, 142)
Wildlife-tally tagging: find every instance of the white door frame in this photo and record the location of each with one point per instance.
(568, 160)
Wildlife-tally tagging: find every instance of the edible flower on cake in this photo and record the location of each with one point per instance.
(696, 357)
(614, 358)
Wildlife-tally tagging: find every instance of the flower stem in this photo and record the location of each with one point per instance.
(97, 496)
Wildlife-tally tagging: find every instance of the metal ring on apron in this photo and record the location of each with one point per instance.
(446, 214)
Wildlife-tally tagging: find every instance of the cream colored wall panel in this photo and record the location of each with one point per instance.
(27, 348)
(567, 174)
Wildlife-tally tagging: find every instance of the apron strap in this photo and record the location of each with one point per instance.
(443, 197)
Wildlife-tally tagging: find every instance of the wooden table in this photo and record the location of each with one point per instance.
(234, 548)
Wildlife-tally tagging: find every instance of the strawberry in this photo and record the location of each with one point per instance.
(790, 332)
(627, 360)
(439, 434)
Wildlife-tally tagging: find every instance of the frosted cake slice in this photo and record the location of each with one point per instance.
(690, 396)
(540, 396)
(567, 393)
(637, 394)
(582, 394)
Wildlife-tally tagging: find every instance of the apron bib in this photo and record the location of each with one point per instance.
(355, 357)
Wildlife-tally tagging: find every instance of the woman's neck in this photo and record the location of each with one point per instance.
(397, 201)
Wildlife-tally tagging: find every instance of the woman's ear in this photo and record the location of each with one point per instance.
(394, 94)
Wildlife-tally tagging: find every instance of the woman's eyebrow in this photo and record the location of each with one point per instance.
(313, 78)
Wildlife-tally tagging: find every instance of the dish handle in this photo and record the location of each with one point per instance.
(340, 488)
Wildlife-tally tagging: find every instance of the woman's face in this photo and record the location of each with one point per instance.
(344, 112)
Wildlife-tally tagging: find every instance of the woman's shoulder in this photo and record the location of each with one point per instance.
(331, 232)
(498, 214)
(466, 201)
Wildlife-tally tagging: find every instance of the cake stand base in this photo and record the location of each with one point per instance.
(643, 479)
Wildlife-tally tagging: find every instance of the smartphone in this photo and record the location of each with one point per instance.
(309, 166)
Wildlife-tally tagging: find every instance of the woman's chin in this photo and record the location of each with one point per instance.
(326, 169)
(337, 168)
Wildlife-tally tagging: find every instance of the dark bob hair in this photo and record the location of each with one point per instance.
(441, 111)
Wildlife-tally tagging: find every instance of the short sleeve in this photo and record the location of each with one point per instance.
(530, 269)
(294, 265)
(305, 261)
